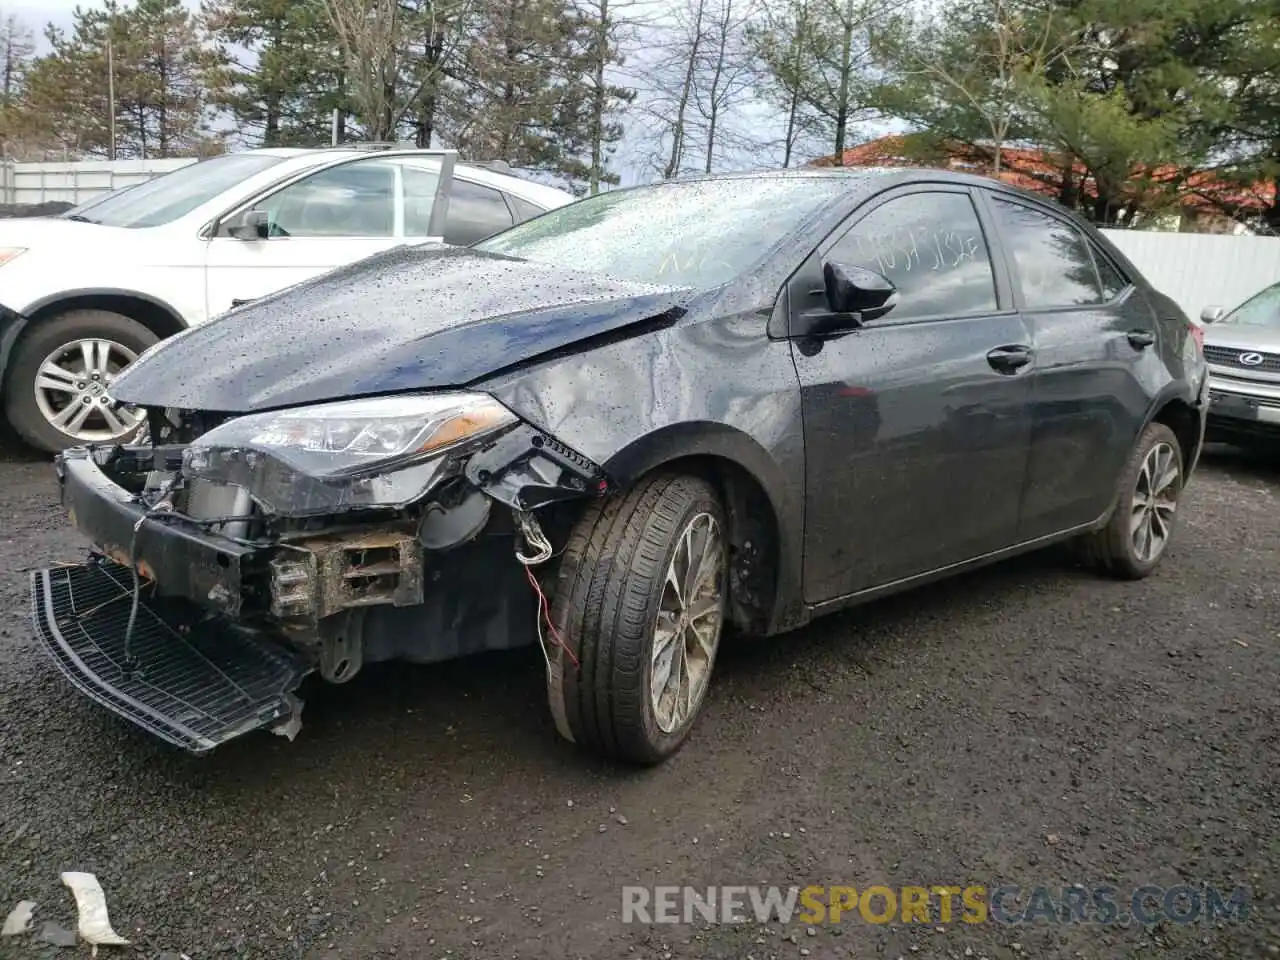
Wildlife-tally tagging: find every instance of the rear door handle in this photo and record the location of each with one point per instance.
(1141, 338)
(1009, 359)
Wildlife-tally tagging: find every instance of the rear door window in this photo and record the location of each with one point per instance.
(1112, 283)
(419, 184)
(1053, 264)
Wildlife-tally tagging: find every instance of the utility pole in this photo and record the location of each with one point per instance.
(111, 87)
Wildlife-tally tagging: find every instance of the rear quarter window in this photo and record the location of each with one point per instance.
(524, 210)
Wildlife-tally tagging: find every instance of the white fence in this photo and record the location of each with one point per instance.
(76, 181)
(1199, 269)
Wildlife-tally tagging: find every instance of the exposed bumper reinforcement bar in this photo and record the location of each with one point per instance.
(196, 680)
(202, 566)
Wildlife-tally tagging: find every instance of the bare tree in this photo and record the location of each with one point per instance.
(695, 86)
(394, 52)
(976, 62)
(780, 38)
(606, 25)
(820, 56)
(682, 58)
(17, 47)
(724, 75)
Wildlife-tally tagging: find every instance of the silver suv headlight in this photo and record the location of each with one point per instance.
(384, 452)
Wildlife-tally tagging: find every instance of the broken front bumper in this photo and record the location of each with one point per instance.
(191, 675)
(226, 628)
(192, 680)
(204, 567)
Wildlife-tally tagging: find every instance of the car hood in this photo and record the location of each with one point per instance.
(37, 232)
(413, 318)
(1242, 336)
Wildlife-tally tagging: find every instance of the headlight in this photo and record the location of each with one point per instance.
(383, 452)
(9, 253)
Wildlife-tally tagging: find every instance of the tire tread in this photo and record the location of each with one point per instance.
(609, 573)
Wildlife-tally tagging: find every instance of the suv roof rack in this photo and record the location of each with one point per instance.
(501, 166)
(379, 145)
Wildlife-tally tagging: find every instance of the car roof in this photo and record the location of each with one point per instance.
(862, 181)
(861, 176)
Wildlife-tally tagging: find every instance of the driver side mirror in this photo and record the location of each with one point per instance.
(249, 225)
(1212, 314)
(854, 295)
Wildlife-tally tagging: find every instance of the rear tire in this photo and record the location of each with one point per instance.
(1148, 493)
(626, 564)
(123, 338)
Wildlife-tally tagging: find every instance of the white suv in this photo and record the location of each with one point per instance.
(83, 294)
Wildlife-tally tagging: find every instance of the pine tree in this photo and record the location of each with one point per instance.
(600, 25)
(17, 46)
(280, 70)
(125, 82)
(160, 86)
(523, 95)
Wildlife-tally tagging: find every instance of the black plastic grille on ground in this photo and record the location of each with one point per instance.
(196, 682)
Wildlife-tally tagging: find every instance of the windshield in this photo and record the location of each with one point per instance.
(168, 197)
(698, 234)
(1260, 310)
(80, 209)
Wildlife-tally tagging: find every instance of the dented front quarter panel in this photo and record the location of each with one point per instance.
(713, 384)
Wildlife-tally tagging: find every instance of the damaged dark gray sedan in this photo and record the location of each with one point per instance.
(609, 434)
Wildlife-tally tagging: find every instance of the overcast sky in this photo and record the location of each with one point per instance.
(37, 14)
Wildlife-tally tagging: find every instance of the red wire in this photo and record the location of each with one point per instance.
(544, 609)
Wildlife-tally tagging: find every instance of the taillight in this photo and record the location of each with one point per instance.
(1197, 334)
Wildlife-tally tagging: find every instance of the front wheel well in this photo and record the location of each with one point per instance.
(753, 536)
(157, 318)
(1182, 418)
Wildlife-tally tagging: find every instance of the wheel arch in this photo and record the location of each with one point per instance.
(764, 531)
(1175, 410)
(153, 313)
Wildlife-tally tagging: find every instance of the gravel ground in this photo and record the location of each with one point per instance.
(1030, 724)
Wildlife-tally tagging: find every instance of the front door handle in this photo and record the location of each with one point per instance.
(1141, 338)
(1009, 359)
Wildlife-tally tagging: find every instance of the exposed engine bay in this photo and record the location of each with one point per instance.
(212, 535)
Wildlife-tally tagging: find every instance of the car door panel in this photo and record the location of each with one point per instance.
(915, 439)
(243, 270)
(1088, 394)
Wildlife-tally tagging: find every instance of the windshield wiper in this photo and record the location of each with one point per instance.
(78, 218)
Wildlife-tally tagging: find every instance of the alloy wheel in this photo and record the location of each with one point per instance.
(72, 390)
(688, 625)
(1155, 498)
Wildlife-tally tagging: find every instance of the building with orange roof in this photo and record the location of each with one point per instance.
(1167, 197)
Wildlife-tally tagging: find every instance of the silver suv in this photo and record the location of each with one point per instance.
(1243, 351)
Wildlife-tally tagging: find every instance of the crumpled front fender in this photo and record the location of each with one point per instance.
(526, 469)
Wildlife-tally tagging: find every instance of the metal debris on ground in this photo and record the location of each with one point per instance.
(19, 919)
(91, 903)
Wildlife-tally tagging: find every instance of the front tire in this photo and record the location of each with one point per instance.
(640, 600)
(1137, 536)
(56, 388)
